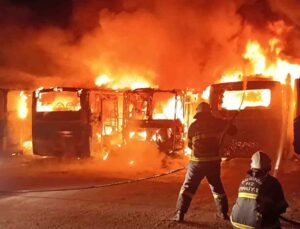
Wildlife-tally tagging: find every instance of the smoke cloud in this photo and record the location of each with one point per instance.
(173, 44)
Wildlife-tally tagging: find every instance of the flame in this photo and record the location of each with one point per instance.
(108, 130)
(278, 69)
(124, 81)
(187, 151)
(102, 80)
(22, 105)
(105, 156)
(266, 61)
(27, 146)
(206, 93)
(142, 135)
(168, 110)
(251, 98)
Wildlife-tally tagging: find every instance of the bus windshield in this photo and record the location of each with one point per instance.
(242, 99)
(58, 101)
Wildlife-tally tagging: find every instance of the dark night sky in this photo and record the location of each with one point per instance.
(59, 12)
(54, 12)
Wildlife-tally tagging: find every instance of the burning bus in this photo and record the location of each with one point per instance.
(262, 114)
(159, 116)
(72, 121)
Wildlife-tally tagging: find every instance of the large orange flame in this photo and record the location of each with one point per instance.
(23, 106)
(268, 62)
(126, 81)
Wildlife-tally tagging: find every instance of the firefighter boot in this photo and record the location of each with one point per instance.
(178, 217)
(222, 207)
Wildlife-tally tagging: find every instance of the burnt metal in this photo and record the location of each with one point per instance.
(138, 117)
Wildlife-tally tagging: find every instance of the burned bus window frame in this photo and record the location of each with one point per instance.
(149, 125)
(43, 106)
(61, 133)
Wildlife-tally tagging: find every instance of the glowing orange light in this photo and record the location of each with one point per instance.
(169, 110)
(27, 145)
(275, 67)
(102, 80)
(22, 105)
(105, 156)
(232, 100)
(125, 81)
(142, 135)
(58, 101)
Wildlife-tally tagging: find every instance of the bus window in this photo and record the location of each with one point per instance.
(58, 101)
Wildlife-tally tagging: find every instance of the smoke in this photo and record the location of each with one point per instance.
(173, 44)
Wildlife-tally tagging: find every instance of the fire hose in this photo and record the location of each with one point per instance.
(97, 185)
(230, 122)
(116, 184)
(290, 221)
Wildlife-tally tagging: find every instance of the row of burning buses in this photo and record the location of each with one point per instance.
(88, 122)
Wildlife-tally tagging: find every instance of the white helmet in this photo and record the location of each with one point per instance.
(261, 161)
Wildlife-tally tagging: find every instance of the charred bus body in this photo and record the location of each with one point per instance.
(261, 115)
(156, 115)
(69, 121)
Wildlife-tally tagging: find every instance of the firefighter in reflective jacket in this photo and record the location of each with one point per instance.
(204, 136)
(260, 200)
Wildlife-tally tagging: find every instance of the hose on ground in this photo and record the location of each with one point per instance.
(95, 186)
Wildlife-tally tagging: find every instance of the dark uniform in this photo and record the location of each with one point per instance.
(204, 135)
(260, 202)
(297, 135)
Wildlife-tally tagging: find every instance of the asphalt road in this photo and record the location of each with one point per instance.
(147, 204)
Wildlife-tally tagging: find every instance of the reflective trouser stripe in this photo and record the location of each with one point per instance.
(218, 195)
(241, 226)
(186, 193)
(248, 195)
(199, 159)
(205, 136)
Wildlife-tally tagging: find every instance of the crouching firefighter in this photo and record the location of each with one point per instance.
(204, 136)
(260, 199)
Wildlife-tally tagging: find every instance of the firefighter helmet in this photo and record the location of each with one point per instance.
(203, 107)
(261, 161)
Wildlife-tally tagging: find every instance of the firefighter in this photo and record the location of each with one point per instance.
(260, 200)
(204, 136)
(297, 135)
